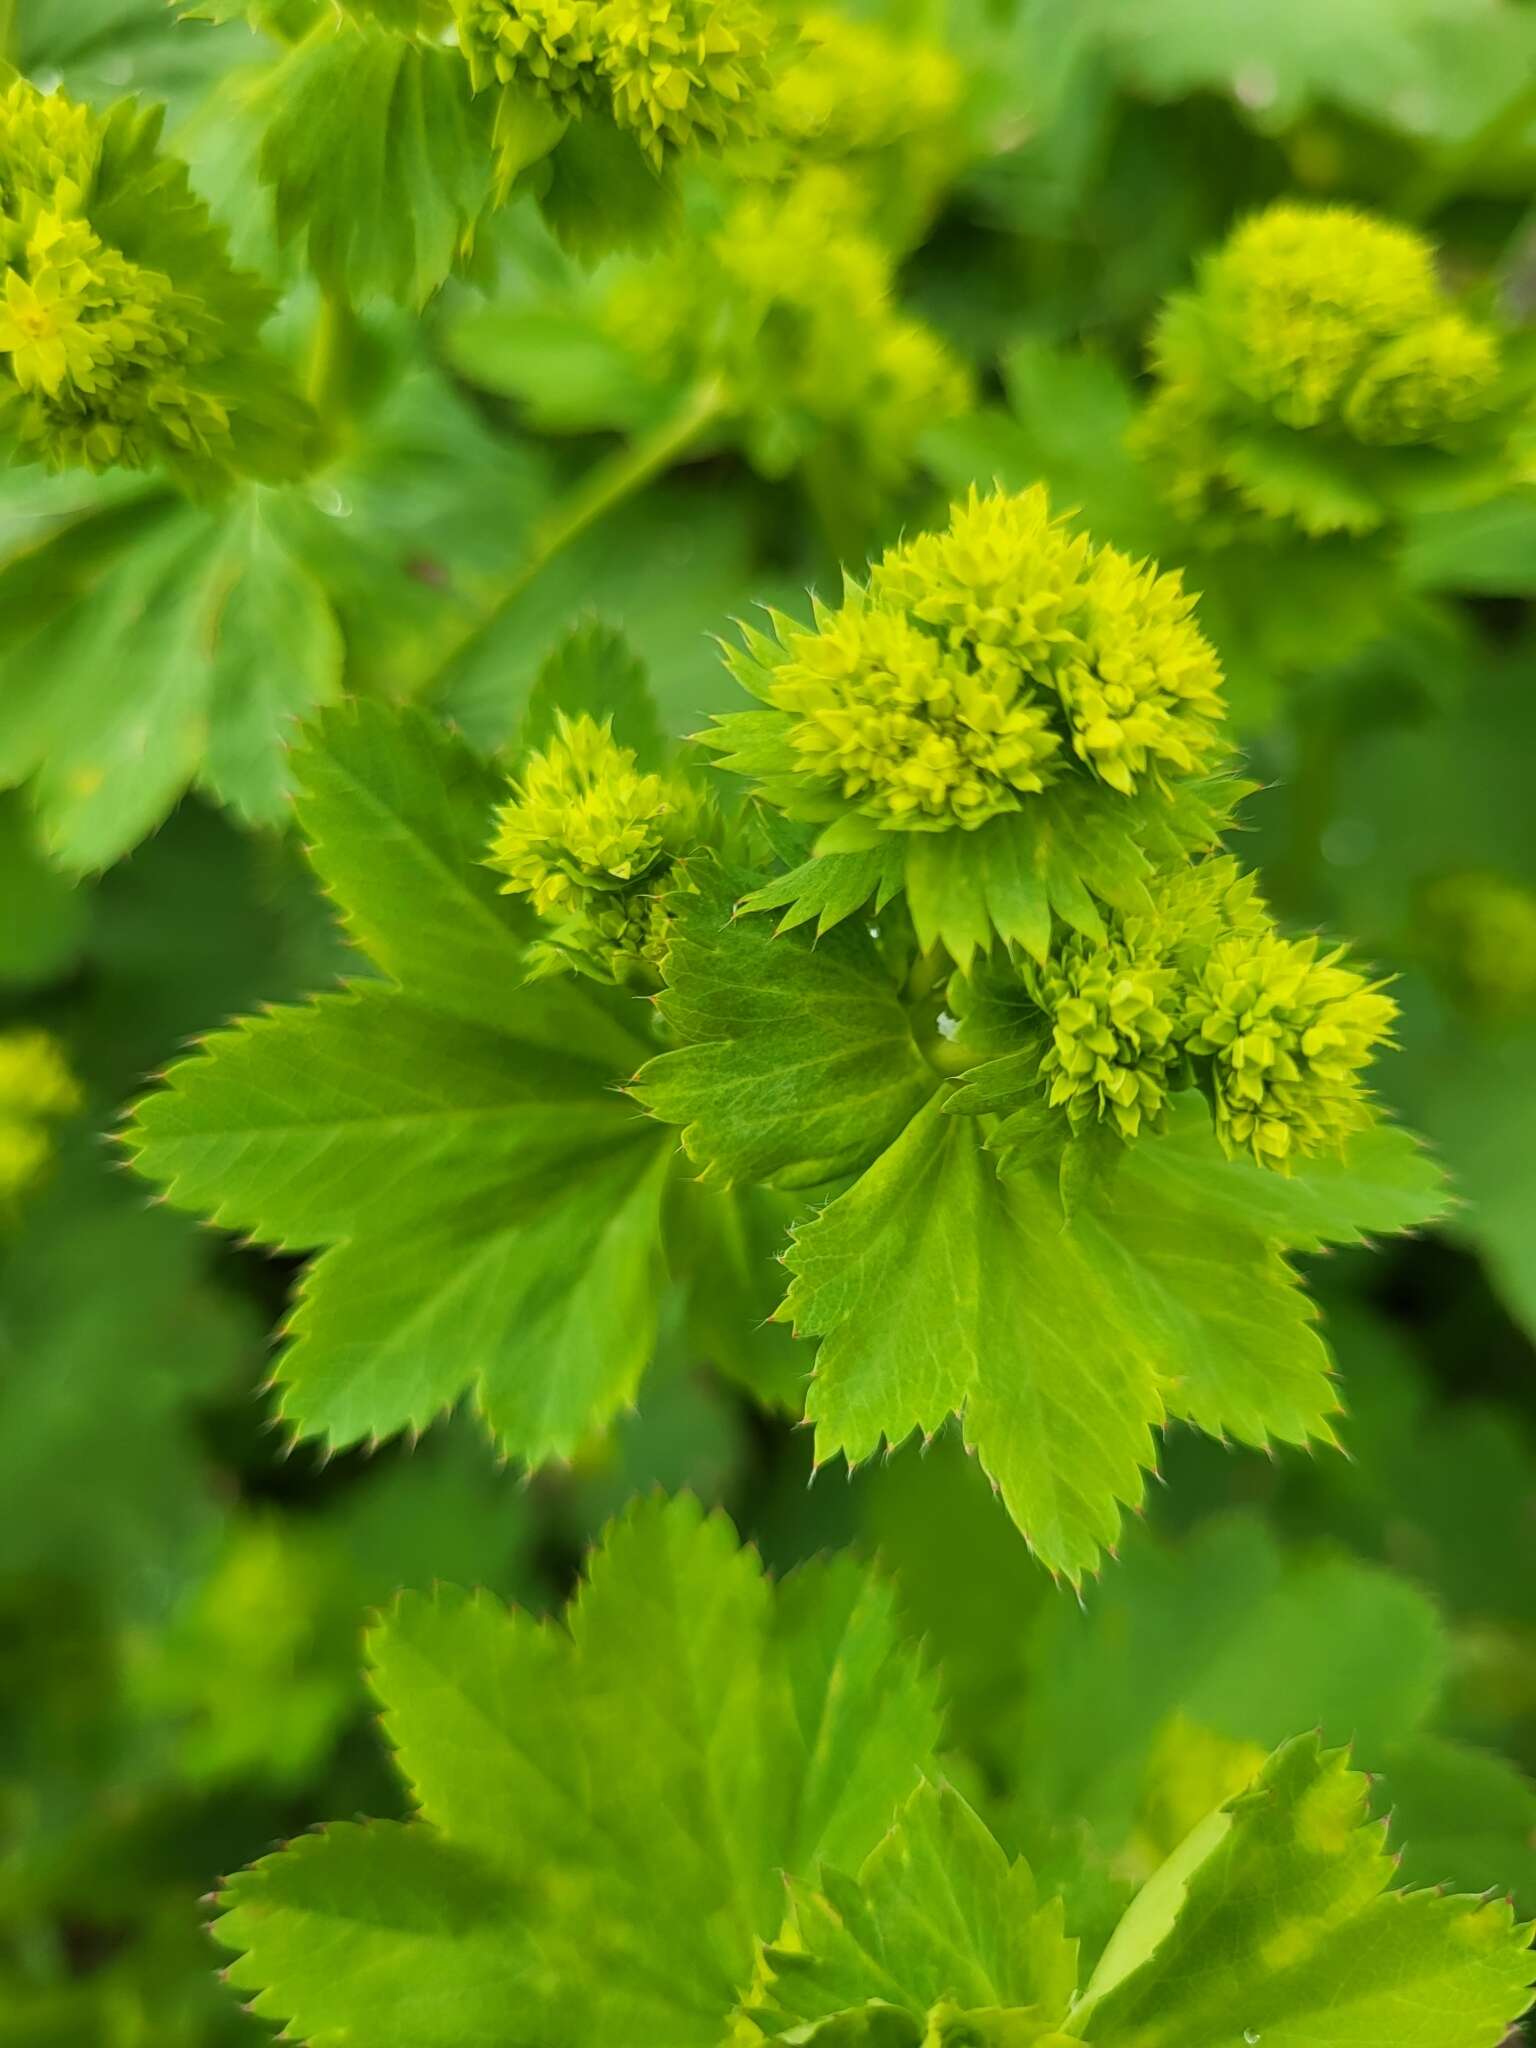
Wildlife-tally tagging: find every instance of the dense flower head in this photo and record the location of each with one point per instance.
(1288, 1029)
(1323, 321)
(768, 304)
(1303, 296)
(1440, 374)
(674, 73)
(126, 337)
(986, 662)
(589, 838)
(36, 1089)
(1477, 931)
(1113, 1017)
(881, 106)
(546, 46)
(104, 353)
(684, 70)
(48, 154)
(1193, 988)
(905, 726)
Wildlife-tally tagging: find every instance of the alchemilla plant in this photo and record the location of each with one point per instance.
(952, 952)
(779, 752)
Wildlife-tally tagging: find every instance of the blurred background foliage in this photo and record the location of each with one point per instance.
(949, 271)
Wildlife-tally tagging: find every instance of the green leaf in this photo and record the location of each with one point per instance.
(939, 1288)
(378, 155)
(562, 1805)
(799, 1063)
(1276, 1920)
(415, 1936)
(938, 1916)
(1384, 1183)
(1227, 1634)
(112, 1336)
(1440, 68)
(397, 812)
(598, 193)
(46, 919)
(491, 1204)
(830, 887)
(183, 657)
(1463, 1817)
(595, 671)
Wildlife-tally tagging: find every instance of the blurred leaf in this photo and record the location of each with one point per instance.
(46, 917)
(112, 1334)
(1228, 1635)
(379, 155)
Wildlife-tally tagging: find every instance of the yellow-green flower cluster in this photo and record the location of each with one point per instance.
(1201, 989)
(673, 73)
(1477, 932)
(1112, 1031)
(1288, 1031)
(105, 357)
(987, 663)
(36, 1089)
(880, 106)
(768, 304)
(1323, 322)
(590, 840)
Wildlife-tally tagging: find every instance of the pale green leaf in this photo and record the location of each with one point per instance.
(938, 1916)
(185, 657)
(594, 671)
(378, 155)
(490, 1202)
(939, 1288)
(631, 1837)
(397, 813)
(416, 1934)
(799, 1063)
(1275, 1921)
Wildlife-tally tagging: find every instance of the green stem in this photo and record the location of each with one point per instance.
(604, 487)
(10, 11)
